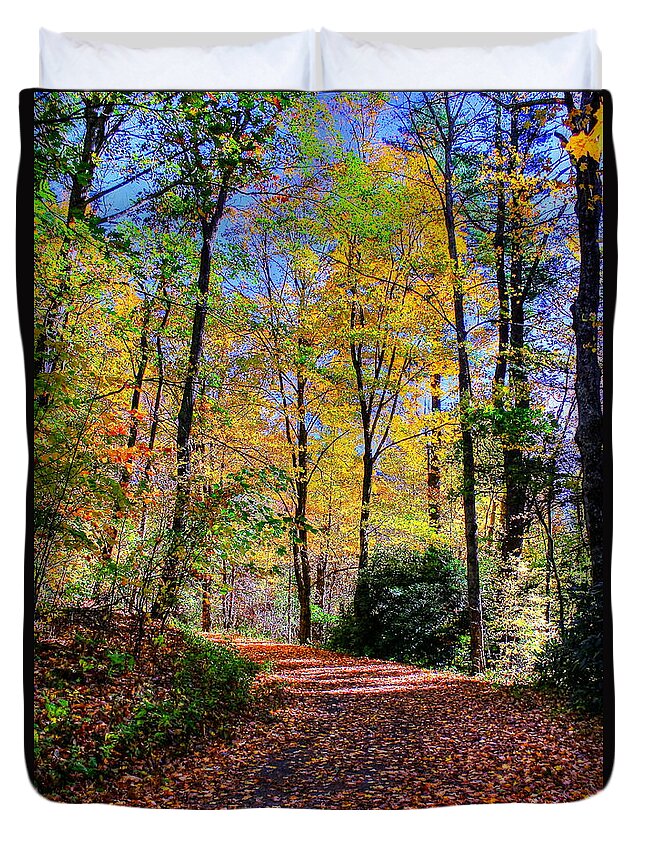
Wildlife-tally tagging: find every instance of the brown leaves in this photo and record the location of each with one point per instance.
(335, 732)
(326, 731)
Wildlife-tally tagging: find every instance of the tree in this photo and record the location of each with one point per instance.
(434, 127)
(384, 232)
(219, 139)
(585, 148)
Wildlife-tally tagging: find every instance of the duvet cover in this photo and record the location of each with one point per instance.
(320, 488)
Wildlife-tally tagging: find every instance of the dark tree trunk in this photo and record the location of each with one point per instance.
(365, 405)
(499, 244)
(432, 461)
(207, 618)
(302, 574)
(476, 621)
(297, 438)
(156, 412)
(585, 311)
(302, 569)
(172, 573)
(323, 563)
(366, 497)
(514, 459)
(97, 120)
(111, 532)
(510, 348)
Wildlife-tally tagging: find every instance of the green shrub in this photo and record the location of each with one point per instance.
(212, 684)
(209, 690)
(119, 661)
(573, 666)
(201, 692)
(408, 606)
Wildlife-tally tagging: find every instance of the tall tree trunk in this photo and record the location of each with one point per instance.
(172, 574)
(499, 244)
(510, 353)
(97, 118)
(302, 568)
(476, 621)
(514, 459)
(366, 497)
(323, 562)
(302, 574)
(110, 535)
(432, 461)
(156, 412)
(585, 311)
(207, 618)
(365, 405)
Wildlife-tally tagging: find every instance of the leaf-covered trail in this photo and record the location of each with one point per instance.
(358, 733)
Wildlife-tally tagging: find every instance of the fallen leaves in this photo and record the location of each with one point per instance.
(351, 733)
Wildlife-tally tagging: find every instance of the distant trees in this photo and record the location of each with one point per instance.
(436, 124)
(277, 333)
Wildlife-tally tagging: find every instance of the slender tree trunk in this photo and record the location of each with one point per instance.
(172, 572)
(514, 459)
(207, 618)
(552, 567)
(302, 569)
(323, 563)
(110, 534)
(96, 131)
(366, 497)
(499, 244)
(299, 462)
(156, 415)
(432, 461)
(477, 653)
(289, 603)
(356, 354)
(510, 347)
(585, 309)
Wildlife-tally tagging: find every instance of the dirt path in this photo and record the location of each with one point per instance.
(357, 733)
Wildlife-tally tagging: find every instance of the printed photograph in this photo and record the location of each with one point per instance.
(319, 467)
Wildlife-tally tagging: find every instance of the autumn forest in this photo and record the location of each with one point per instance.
(318, 371)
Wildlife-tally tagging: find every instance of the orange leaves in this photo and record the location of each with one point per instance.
(120, 455)
(273, 99)
(332, 731)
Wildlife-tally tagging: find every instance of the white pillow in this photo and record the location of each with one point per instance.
(285, 62)
(564, 62)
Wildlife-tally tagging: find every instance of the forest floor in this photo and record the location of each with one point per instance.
(351, 733)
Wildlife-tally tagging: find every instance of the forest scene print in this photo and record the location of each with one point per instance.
(318, 448)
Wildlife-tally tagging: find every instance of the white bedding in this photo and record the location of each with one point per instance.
(285, 62)
(293, 62)
(563, 62)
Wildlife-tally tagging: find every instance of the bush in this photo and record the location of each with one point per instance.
(573, 666)
(89, 726)
(209, 691)
(408, 606)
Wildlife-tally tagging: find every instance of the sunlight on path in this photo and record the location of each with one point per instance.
(358, 733)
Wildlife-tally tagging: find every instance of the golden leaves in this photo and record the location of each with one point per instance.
(588, 144)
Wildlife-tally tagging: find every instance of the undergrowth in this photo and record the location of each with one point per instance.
(101, 712)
